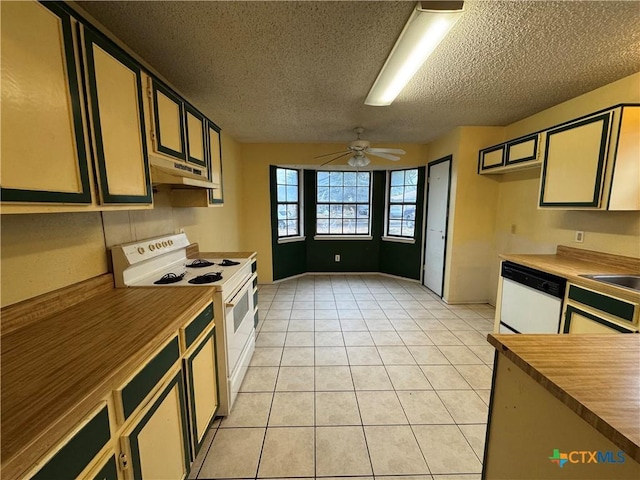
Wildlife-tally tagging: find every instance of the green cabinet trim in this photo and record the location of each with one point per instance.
(192, 401)
(41, 196)
(198, 325)
(133, 443)
(140, 385)
(571, 310)
(254, 266)
(192, 110)
(158, 87)
(482, 153)
(518, 141)
(605, 118)
(613, 306)
(212, 199)
(109, 471)
(80, 451)
(91, 37)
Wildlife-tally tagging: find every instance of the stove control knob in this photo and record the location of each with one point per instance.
(170, 242)
(165, 244)
(158, 245)
(151, 247)
(141, 250)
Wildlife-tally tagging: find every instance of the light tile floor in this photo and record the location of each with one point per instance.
(358, 376)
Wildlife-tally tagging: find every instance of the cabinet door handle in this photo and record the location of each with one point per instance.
(229, 305)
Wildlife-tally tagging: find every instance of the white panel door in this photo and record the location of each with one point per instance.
(437, 204)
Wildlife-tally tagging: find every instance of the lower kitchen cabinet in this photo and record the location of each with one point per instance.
(202, 388)
(156, 442)
(105, 470)
(579, 321)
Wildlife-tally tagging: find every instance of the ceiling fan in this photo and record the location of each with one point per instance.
(359, 149)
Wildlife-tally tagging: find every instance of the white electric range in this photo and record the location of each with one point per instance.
(163, 262)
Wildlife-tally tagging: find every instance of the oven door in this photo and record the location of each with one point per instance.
(239, 322)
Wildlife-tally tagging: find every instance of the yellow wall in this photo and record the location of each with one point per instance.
(540, 231)
(65, 248)
(256, 158)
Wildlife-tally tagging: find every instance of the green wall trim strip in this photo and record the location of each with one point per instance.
(43, 196)
(605, 303)
(76, 455)
(571, 309)
(133, 438)
(198, 325)
(92, 37)
(140, 385)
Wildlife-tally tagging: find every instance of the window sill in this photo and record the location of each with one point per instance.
(399, 240)
(291, 239)
(343, 237)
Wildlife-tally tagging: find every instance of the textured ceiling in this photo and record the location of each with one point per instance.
(300, 71)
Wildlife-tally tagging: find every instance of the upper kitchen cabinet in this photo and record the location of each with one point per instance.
(168, 117)
(593, 162)
(196, 136)
(44, 149)
(516, 154)
(114, 87)
(47, 164)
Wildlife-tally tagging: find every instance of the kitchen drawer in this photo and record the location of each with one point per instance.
(621, 309)
(79, 450)
(198, 325)
(580, 321)
(133, 393)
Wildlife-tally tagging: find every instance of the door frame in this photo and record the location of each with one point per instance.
(448, 158)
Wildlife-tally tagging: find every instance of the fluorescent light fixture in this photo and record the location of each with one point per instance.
(428, 25)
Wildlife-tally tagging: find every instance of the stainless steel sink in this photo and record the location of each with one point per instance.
(627, 281)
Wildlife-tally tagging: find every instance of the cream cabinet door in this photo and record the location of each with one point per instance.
(115, 96)
(492, 157)
(168, 116)
(574, 163)
(157, 439)
(44, 154)
(215, 162)
(202, 388)
(196, 136)
(522, 150)
(579, 321)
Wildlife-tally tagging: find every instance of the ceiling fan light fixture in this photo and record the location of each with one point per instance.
(358, 161)
(427, 26)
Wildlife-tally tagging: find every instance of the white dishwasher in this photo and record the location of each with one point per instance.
(531, 300)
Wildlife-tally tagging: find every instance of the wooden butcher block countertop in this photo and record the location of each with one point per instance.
(570, 263)
(596, 376)
(56, 368)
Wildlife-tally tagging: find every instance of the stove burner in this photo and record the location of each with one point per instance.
(228, 263)
(200, 263)
(169, 278)
(207, 278)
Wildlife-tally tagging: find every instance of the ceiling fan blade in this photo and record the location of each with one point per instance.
(336, 158)
(383, 155)
(334, 153)
(397, 151)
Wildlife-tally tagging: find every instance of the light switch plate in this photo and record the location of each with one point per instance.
(579, 237)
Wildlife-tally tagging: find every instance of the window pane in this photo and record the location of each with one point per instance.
(292, 177)
(322, 211)
(349, 178)
(363, 179)
(282, 228)
(282, 193)
(350, 194)
(410, 193)
(395, 227)
(335, 226)
(409, 212)
(323, 194)
(292, 227)
(335, 194)
(336, 211)
(280, 175)
(396, 195)
(395, 212)
(335, 178)
(349, 211)
(362, 226)
(411, 177)
(292, 194)
(349, 227)
(282, 212)
(397, 178)
(407, 229)
(323, 179)
(363, 194)
(363, 211)
(323, 226)
(292, 211)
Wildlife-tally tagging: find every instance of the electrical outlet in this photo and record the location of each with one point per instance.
(181, 230)
(579, 237)
(513, 228)
(337, 258)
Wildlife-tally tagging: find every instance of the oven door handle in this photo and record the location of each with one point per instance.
(246, 285)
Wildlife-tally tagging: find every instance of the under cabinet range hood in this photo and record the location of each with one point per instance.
(171, 172)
